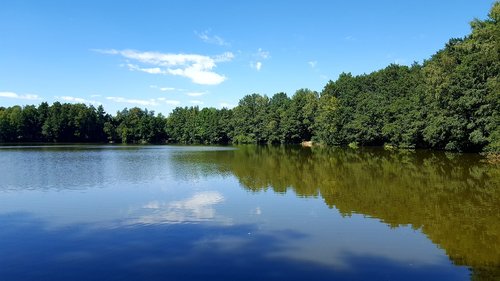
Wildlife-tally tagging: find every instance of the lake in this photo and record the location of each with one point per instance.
(102, 212)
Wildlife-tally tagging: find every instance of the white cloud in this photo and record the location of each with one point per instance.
(312, 63)
(143, 102)
(106, 51)
(262, 54)
(172, 102)
(150, 102)
(13, 95)
(163, 89)
(198, 68)
(196, 94)
(78, 100)
(211, 39)
(198, 75)
(196, 101)
(257, 65)
(259, 55)
(71, 99)
(224, 57)
(150, 70)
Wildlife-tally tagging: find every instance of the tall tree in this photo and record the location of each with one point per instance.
(249, 119)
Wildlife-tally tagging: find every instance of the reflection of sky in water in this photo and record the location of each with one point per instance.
(70, 167)
(121, 192)
(326, 236)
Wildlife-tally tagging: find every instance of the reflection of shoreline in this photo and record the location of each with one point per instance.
(452, 198)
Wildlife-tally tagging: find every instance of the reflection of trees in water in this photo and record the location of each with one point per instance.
(453, 198)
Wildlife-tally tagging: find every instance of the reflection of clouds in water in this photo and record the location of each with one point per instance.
(199, 207)
(257, 211)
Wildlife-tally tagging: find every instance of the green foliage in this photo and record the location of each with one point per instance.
(353, 145)
(326, 119)
(192, 125)
(278, 108)
(462, 90)
(138, 126)
(300, 117)
(249, 119)
(450, 102)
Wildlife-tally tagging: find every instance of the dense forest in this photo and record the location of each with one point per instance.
(450, 101)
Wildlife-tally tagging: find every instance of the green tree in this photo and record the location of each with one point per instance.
(462, 89)
(249, 119)
(275, 130)
(326, 129)
(299, 121)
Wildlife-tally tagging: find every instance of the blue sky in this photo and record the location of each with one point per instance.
(163, 54)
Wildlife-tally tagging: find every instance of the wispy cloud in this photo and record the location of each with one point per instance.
(150, 70)
(163, 89)
(312, 64)
(78, 100)
(257, 65)
(259, 55)
(172, 102)
(198, 68)
(196, 94)
(196, 102)
(206, 37)
(262, 54)
(169, 102)
(224, 57)
(350, 38)
(12, 95)
(150, 102)
(144, 102)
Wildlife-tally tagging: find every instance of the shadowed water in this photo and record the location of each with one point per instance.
(246, 213)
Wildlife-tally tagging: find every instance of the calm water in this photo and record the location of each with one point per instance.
(246, 213)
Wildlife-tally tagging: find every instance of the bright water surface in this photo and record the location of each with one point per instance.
(246, 213)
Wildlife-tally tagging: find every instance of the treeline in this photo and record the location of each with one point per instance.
(451, 102)
(80, 123)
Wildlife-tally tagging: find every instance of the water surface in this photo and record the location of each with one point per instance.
(246, 213)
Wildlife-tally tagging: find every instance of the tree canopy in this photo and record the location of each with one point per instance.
(450, 101)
